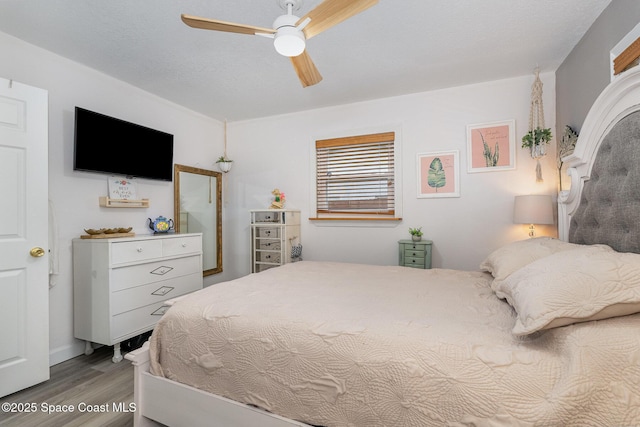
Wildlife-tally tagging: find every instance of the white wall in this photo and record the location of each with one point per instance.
(198, 141)
(275, 152)
(586, 71)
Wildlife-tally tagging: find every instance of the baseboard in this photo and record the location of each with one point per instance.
(60, 354)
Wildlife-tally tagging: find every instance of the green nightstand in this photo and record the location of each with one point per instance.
(415, 254)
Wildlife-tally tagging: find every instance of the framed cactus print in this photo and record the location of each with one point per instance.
(438, 174)
(491, 146)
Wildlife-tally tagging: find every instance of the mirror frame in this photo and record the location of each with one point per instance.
(218, 224)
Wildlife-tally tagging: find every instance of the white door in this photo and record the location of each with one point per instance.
(24, 260)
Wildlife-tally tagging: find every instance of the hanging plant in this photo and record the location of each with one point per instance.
(537, 136)
(223, 159)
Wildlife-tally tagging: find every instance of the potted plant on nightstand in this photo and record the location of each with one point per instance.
(416, 234)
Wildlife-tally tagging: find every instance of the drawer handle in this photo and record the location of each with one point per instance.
(139, 249)
(164, 290)
(160, 311)
(184, 245)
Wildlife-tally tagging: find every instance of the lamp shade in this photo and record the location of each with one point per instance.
(533, 209)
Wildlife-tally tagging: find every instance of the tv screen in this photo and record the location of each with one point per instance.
(113, 146)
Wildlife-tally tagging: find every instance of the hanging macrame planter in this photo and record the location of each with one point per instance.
(224, 163)
(538, 136)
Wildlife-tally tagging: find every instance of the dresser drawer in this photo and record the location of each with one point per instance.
(268, 257)
(268, 232)
(181, 245)
(141, 274)
(129, 299)
(139, 250)
(135, 322)
(272, 245)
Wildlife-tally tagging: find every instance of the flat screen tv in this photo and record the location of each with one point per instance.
(113, 146)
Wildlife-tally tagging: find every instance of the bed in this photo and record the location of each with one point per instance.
(546, 334)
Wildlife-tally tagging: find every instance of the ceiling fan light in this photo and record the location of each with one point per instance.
(289, 41)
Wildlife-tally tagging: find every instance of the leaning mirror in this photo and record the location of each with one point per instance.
(198, 209)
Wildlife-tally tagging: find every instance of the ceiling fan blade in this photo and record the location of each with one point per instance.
(229, 27)
(306, 69)
(332, 12)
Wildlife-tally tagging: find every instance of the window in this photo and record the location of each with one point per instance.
(355, 177)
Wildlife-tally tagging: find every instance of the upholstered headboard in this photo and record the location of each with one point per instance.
(603, 204)
(609, 208)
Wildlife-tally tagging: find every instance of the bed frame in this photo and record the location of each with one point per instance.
(617, 101)
(161, 401)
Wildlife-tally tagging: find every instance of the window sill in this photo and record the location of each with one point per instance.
(336, 218)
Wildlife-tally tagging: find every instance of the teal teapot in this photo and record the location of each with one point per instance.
(160, 224)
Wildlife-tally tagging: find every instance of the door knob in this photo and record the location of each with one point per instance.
(36, 252)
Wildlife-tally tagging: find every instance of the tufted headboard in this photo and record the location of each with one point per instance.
(603, 204)
(609, 208)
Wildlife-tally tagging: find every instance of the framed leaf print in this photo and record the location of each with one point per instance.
(491, 146)
(438, 174)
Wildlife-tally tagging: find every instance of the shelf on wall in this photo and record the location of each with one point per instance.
(123, 203)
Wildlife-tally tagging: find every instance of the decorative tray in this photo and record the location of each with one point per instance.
(107, 233)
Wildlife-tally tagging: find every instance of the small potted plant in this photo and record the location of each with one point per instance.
(224, 164)
(416, 234)
(535, 140)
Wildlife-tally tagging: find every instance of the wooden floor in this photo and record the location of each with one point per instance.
(86, 382)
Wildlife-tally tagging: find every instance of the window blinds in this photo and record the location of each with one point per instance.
(355, 175)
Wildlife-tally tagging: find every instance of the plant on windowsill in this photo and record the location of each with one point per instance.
(416, 234)
(535, 140)
(224, 164)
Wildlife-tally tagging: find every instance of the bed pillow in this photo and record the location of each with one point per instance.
(511, 257)
(579, 285)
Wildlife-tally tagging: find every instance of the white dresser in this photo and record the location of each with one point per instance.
(120, 285)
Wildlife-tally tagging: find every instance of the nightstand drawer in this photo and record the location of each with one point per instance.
(123, 252)
(132, 298)
(414, 262)
(414, 252)
(414, 246)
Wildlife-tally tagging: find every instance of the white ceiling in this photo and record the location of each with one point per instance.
(393, 48)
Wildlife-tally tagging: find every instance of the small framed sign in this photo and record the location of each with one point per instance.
(122, 189)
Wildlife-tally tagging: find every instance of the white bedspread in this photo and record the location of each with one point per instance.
(337, 344)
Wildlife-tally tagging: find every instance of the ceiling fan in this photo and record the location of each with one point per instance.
(290, 32)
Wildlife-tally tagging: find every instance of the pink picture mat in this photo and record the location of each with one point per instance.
(495, 138)
(450, 167)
